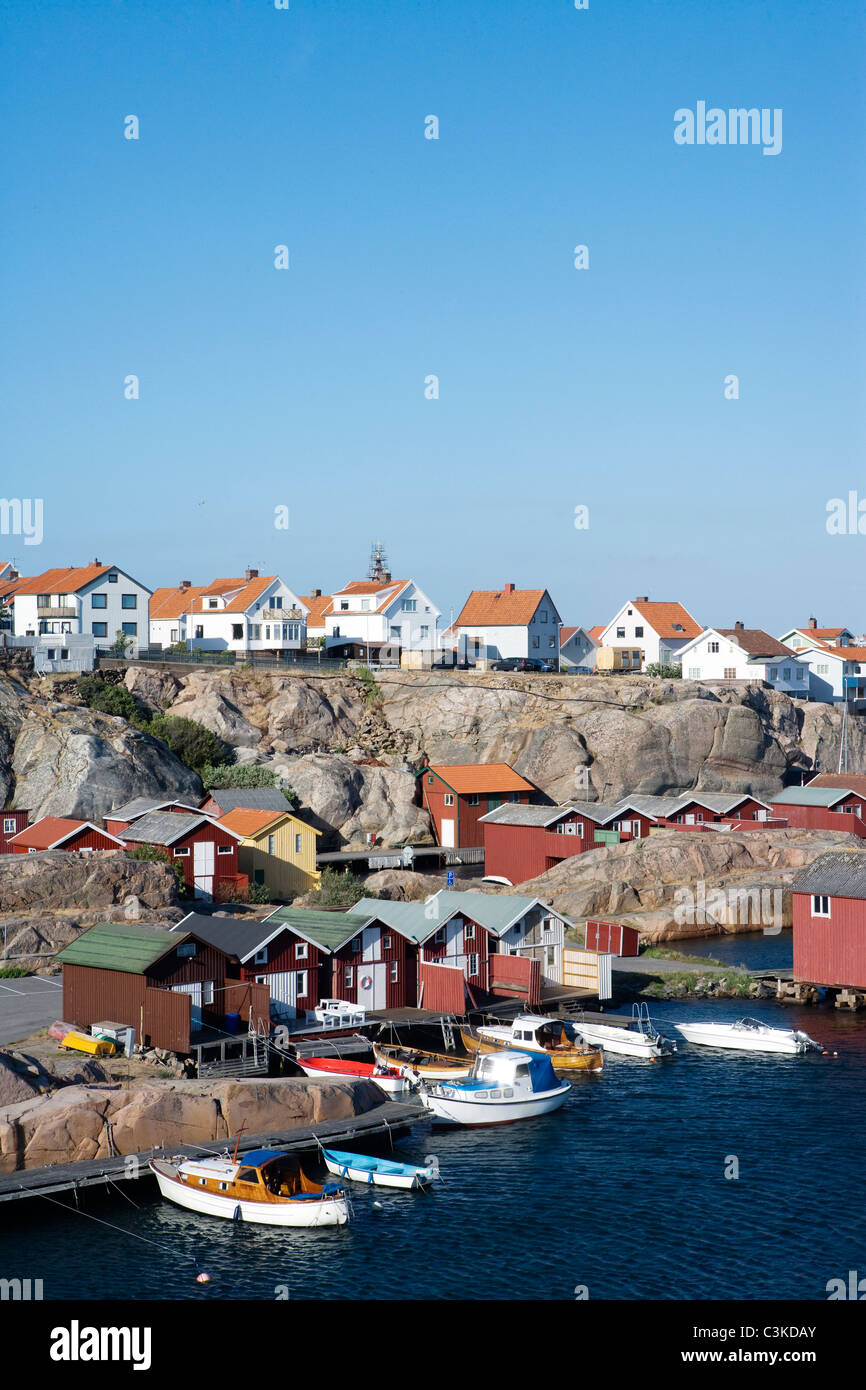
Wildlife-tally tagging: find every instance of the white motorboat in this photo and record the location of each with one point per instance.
(267, 1186)
(637, 1038)
(748, 1035)
(502, 1087)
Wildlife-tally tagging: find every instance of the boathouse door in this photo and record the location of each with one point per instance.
(448, 834)
(284, 993)
(195, 1001)
(373, 985)
(203, 869)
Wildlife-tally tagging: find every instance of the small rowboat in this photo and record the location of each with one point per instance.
(428, 1066)
(267, 1186)
(58, 1030)
(380, 1172)
(82, 1042)
(389, 1079)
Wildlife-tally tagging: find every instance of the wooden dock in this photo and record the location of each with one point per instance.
(391, 1117)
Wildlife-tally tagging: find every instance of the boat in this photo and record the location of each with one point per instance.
(418, 1065)
(503, 1087)
(390, 1079)
(748, 1035)
(267, 1186)
(537, 1033)
(83, 1042)
(378, 1172)
(637, 1038)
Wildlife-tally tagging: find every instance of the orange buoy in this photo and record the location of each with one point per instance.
(202, 1278)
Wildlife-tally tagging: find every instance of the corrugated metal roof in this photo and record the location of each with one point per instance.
(840, 874)
(597, 811)
(326, 929)
(413, 920)
(511, 814)
(494, 911)
(163, 827)
(141, 805)
(849, 781)
(810, 796)
(251, 799)
(120, 946)
(237, 936)
(654, 805)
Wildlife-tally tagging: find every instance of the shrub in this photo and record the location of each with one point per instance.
(153, 855)
(340, 888)
(217, 775)
(372, 693)
(13, 972)
(108, 699)
(669, 673)
(192, 743)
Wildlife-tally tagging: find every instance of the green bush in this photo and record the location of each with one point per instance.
(223, 775)
(108, 699)
(668, 673)
(372, 693)
(153, 855)
(13, 972)
(340, 888)
(192, 743)
(258, 893)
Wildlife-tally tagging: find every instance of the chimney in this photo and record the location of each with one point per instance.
(386, 576)
(13, 574)
(316, 593)
(813, 622)
(250, 574)
(641, 598)
(738, 626)
(185, 584)
(509, 589)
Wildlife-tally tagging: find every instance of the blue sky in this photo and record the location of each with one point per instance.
(411, 257)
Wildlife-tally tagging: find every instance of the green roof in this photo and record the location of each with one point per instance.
(413, 920)
(811, 796)
(120, 946)
(416, 920)
(326, 929)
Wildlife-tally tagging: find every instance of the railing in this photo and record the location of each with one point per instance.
(47, 610)
(265, 661)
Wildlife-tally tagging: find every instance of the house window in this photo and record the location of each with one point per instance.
(730, 673)
(472, 965)
(256, 631)
(278, 601)
(425, 631)
(9, 825)
(302, 983)
(579, 824)
(207, 992)
(820, 905)
(348, 977)
(129, 600)
(677, 627)
(64, 653)
(801, 674)
(568, 827)
(99, 600)
(712, 646)
(473, 800)
(449, 799)
(237, 632)
(536, 641)
(272, 840)
(356, 944)
(261, 979)
(365, 605)
(130, 629)
(386, 943)
(786, 673)
(344, 605)
(439, 937)
(302, 951)
(395, 972)
(112, 579)
(199, 632)
(409, 605)
(267, 632)
(182, 853)
(298, 843)
(224, 849)
(543, 616)
(50, 653)
(694, 673)
(261, 957)
(620, 632)
(429, 781)
(212, 603)
(638, 632)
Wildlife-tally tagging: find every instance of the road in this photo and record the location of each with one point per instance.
(26, 1005)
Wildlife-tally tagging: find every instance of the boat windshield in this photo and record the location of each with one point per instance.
(750, 1024)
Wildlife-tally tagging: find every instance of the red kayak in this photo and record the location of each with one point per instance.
(391, 1081)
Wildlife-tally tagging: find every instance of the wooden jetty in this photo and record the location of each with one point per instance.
(391, 1117)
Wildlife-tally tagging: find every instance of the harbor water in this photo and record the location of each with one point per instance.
(710, 1175)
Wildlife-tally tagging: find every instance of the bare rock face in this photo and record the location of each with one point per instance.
(152, 685)
(357, 798)
(69, 1126)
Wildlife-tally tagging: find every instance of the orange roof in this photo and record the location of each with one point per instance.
(499, 607)
(318, 607)
(595, 632)
(244, 592)
(52, 830)
(10, 587)
(823, 633)
(370, 588)
(62, 581)
(481, 777)
(668, 619)
(173, 603)
(244, 821)
(842, 653)
(845, 781)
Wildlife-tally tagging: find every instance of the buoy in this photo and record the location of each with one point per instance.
(377, 1206)
(202, 1278)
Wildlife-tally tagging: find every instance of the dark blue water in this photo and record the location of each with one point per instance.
(623, 1191)
(756, 950)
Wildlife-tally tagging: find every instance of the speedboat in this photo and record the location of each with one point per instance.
(389, 1079)
(418, 1065)
(378, 1172)
(537, 1033)
(747, 1035)
(267, 1186)
(637, 1038)
(502, 1087)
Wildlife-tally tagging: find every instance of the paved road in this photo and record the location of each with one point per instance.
(26, 1005)
(658, 965)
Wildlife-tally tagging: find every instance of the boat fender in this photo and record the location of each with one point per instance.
(237, 1214)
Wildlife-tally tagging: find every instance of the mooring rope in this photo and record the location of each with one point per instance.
(122, 1229)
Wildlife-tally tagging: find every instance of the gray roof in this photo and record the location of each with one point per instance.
(417, 921)
(140, 805)
(720, 802)
(251, 799)
(514, 814)
(841, 874)
(654, 805)
(236, 936)
(811, 796)
(598, 811)
(162, 827)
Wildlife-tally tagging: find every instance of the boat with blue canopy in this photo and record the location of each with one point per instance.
(502, 1087)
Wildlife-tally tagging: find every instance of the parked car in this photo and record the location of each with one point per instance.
(517, 663)
(577, 670)
(446, 665)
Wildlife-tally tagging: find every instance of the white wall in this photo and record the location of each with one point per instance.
(88, 613)
(700, 663)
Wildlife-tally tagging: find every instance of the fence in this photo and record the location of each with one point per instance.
(264, 661)
(589, 970)
(516, 977)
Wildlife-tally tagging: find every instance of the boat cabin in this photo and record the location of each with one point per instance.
(520, 1070)
(546, 1033)
(257, 1177)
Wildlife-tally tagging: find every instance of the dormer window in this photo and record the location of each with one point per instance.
(678, 627)
(212, 603)
(344, 605)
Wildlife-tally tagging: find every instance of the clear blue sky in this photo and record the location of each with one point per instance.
(409, 257)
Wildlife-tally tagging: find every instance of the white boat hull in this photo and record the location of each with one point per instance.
(371, 1178)
(720, 1035)
(329, 1212)
(391, 1085)
(621, 1040)
(453, 1109)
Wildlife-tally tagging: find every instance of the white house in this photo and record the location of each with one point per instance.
(746, 654)
(661, 630)
(100, 600)
(317, 605)
(835, 672)
(799, 637)
(508, 622)
(256, 613)
(375, 613)
(577, 647)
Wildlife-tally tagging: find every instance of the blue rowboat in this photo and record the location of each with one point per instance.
(378, 1172)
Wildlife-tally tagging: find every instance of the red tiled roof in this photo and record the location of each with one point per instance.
(668, 619)
(244, 591)
(845, 781)
(499, 608)
(173, 603)
(62, 581)
(318, 606)
(50, 829)
(842, 653)
(595, 632)
(245, 821)
(481, 777)
(823, 633)
(369, 588)
(755, 641)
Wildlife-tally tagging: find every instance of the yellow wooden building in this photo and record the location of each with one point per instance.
(278, 849)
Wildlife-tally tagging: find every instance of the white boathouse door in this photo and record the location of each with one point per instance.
(284, 993)
(448, 834)
(373, 985)
(203, 869)
(195, 1001)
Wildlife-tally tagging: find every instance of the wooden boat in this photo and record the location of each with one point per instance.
(536, 1033)
(82, 1042)
(503, 1087)
(267, 1186)
(58, 1030)
(389, 1079)
(380, 1172)
(417, 1064)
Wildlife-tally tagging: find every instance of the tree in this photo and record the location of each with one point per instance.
(108, 699)
(121, 644)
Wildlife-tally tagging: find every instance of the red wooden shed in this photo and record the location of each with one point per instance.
(614, 937)
(829, 912)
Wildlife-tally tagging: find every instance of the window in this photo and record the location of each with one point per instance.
(638, 632)
(439, 938)
(449, 799)
(344, 605)
(267, 632)
(365, 605)
(543, 616)
(473, 800)
(801, 674)
(277, 602)
(472, 965)
(394, 972)
(335, 632)
(396, 634)
(712, 647)
(551, 641)
(212, 603)
(677, 627)
(579, 825)
(298, 843)
(224, 849)
(302, 951)
(786, 673)
(64, 653)
(99, 600)
(694, 673)
(356, 944)
(130, 629)
(536, 641)
(469, 931)
(409, 605)
(348, 977)
(730, 673)
(820, 905)
(261, 979)
(50, 653)
(237, 632)
(182, 853)
(429, 781)
(425, 631)
(199, 632)
(129, 600)
(112, 579)
(256, 631)
(261, 957)
(302, 983)
(620, 632)
(9, 825)
(207, 992)
(99, 629)
(272, 840)
(569, 827)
